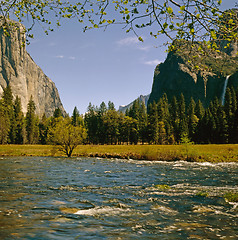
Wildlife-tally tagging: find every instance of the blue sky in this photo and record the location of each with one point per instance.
(98, 65)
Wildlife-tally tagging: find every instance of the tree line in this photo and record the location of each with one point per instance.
(163, 122)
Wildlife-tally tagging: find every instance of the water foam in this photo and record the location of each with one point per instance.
(101, 210)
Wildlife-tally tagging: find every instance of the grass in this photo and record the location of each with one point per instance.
(195, 153)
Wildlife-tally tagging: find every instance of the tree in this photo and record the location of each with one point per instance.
(91, 123)
(142, 123)
(153, 123)
(20, 130)
(57, 113)
(9, 110)
(67, 136)
(32, 123)
(192, 119)
(183, 125)
(4, 124)
(76, 119)
(111, 124)
(194, 20)
(43, 129)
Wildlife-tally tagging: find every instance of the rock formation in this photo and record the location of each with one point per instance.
(178, 74)
(18, 69)
(142, 98)
(202, 76)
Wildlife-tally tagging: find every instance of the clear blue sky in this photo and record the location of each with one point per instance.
(98, 65)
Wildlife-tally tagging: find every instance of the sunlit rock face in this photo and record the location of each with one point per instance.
(178, 74)
(18, 69)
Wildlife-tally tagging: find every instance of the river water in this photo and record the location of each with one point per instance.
(89, 198)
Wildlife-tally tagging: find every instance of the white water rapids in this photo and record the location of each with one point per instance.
(224, 90)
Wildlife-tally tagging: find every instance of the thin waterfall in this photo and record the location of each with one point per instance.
(224, 90)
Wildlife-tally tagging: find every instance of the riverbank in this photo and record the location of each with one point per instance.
(196, 153)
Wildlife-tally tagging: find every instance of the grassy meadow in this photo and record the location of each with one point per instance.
(198, 153)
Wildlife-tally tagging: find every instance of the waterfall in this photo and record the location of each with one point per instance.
(224, 90)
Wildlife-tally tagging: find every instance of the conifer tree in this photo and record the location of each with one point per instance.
(57, 113)
(91, 123)
(153, 123)
(228, 108)
(142, 124)
(20, 130)
(111, 124)
(183, 125)
(8, 105)
(4, 124)
(32, 123)
(192, 119)
(199, 110)
(102, 110)
(164, 117)
(75, 117)
(174, 118)
(43, 129)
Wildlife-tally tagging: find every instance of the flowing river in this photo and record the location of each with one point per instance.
(90, 198)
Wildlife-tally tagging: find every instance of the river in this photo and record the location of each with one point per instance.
(90, 198)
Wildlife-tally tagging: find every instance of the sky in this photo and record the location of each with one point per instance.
(96, 65)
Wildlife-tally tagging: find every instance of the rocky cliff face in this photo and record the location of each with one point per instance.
(18, 69)
(142, 98)
(177, 75)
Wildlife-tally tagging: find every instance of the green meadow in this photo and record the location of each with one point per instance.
(195, 153)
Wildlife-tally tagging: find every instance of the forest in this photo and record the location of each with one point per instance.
(163, 122)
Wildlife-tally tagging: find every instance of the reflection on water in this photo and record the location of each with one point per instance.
(89, 198)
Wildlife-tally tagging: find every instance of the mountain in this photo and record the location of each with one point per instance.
(197, 71)
(141, 98)
(188, 71)
(18, 69)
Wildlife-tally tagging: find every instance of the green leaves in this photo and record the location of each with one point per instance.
(187, 19)
(140, 39)
(169, 10)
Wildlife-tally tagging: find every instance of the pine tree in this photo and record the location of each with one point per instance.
(4, 124)
(111, 125)
(199, 110)
(8, 105)
(174, 119)
(164, 117)
(142, 124)
(102, 110)
(75, 117)
(153, 123)
(57, 113)
(20, 131)
(192, 119)
(91, 122)
(183, 125)
(228, 108)
(32, 123)
(43, 129)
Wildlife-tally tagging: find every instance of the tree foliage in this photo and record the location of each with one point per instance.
(67, 136)
(164, 122)
(195, 20)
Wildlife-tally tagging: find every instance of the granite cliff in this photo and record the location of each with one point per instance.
(142, 98)
(187, 71)
(18, 69)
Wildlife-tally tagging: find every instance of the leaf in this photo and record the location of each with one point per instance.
(165, 25)
(140, 39)
(169, 10)
(182, 8)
